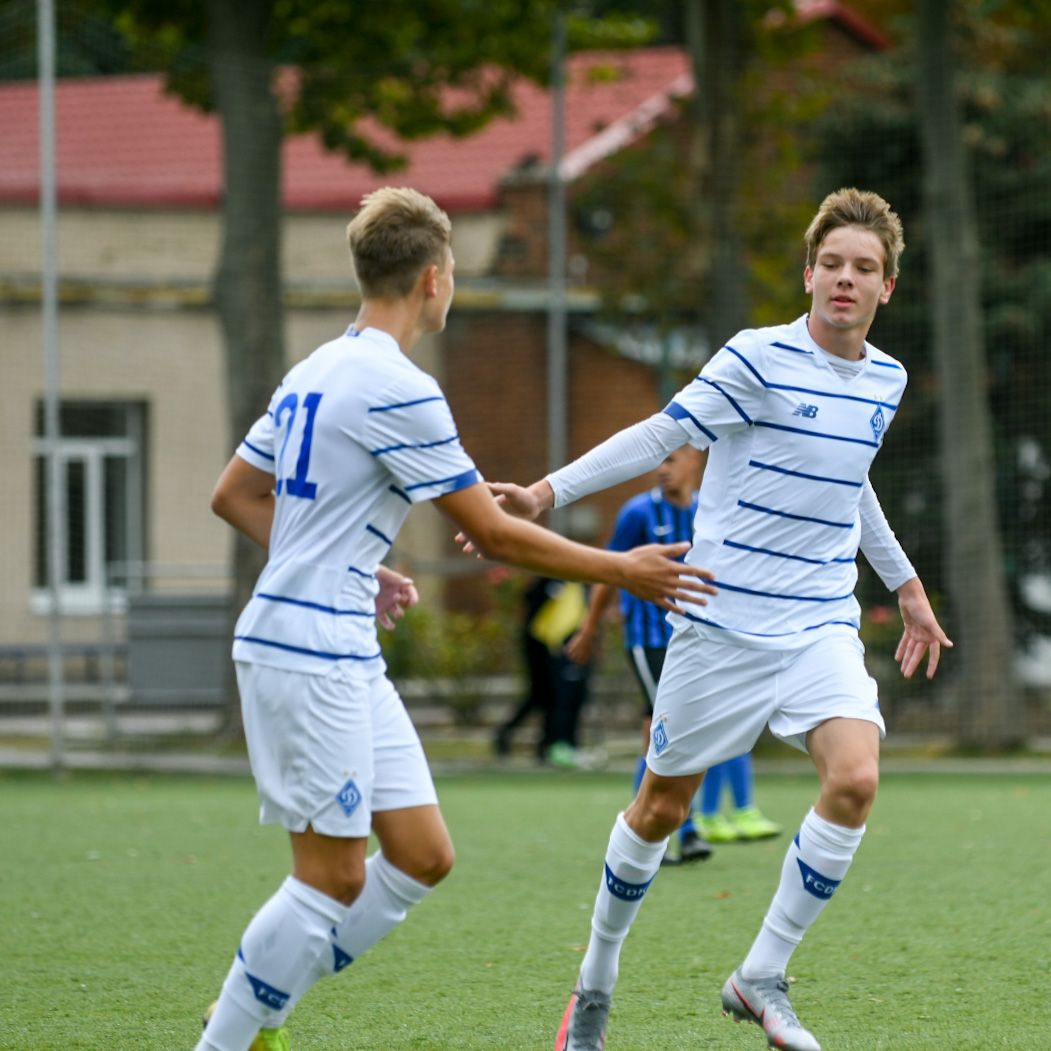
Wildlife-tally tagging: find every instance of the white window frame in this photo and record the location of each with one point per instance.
(94, 595)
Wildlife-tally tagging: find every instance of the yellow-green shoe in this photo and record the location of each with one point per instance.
(265, 1039)
(750, 824)
(715, 828)
(271, 1040)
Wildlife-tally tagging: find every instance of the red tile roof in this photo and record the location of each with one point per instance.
(121, 141)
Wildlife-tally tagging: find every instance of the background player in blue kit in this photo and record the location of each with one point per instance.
(354, 435)
(792, 416)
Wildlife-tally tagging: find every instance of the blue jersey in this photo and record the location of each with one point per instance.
(354, 436)
(649, 519)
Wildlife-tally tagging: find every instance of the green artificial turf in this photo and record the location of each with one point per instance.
(123, 898)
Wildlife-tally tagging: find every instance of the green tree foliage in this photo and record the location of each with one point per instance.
(871, 138)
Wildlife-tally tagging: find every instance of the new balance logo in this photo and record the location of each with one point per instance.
(814, 883)
(802, 409)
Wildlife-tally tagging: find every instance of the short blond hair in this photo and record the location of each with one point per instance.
(396, 233)
(851, 207)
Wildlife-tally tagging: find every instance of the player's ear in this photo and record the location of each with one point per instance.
(888, 288)
(429, 279)
(808, 280)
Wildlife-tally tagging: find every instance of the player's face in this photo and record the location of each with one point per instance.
(445, 285)
(678, 473)
(847, 282)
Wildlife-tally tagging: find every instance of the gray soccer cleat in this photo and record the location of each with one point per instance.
(765, 1002)
(583, 1025)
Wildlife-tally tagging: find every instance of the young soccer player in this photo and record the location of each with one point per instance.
(792, 417)
(354, 436)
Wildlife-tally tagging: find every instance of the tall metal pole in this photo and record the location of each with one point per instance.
(49, 305)
(557, 358)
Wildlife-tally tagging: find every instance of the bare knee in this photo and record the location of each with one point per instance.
(654, 815)
(433, 865)
(848, 793)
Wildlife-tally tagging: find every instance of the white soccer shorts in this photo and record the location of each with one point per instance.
(714, 698)
(329, 752)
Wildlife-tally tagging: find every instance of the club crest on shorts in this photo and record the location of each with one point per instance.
(660, 738)
(349, 797)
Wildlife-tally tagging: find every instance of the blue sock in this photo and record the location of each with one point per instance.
(740, 773)
(712, 789)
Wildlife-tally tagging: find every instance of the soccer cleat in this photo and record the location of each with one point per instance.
(695, 848)
(265, 1039)
(765, 1002)
(583, 1026)
(716, 828)
(750, 824)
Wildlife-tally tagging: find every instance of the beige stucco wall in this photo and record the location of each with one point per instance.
(140, 340)
(147, 246)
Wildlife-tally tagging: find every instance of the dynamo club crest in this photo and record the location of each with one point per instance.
(878, 423)
(349, 797)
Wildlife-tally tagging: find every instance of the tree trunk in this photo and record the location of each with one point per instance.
(716, 39)
(979, 620)
(248, 279)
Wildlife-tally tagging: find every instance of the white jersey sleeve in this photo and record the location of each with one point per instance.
(879, 545)
(726, 396)
(629, 453)
(411, 431)
(258, 447)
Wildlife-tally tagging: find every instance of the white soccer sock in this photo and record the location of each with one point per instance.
(279, 947)
(385, 899)
(631, 864)
(816, 862)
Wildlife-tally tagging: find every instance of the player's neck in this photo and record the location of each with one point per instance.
(847, 343)
(397, 318)
(677, 497)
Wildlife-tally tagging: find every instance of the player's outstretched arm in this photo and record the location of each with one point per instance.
(244, 497)
(651, 572)
(922, 634)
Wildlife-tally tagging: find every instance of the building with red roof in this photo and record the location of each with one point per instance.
(142, 374)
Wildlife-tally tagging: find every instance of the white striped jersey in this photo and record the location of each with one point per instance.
(790, 446)
(354, 436)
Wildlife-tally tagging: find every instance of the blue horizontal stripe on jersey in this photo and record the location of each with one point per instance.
(361, 573)
(807, 390)
(801, 474)
(795, 518)
(400, 492)
(406, 404)
(795, 350)
(309, 652)
(414, 445)
(458, 481)
(258, 452)
(770, 634)
(740, 412)
(785, 554)
(375, 532)
(314, 605)
(817, 434)
(888, 365)
(723, 586)
(677, 412)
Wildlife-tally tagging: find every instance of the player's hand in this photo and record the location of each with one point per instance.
(517, 500)
(396, 595)
(581, 647)
(654, 573)
(922, 634)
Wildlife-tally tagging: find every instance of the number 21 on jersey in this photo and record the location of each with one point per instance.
(285, 417)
